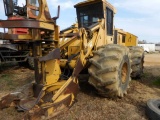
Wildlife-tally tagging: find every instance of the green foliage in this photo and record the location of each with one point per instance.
(145, 75)
(157, 82)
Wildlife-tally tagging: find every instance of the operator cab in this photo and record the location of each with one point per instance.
(88, 13)
(11, 8)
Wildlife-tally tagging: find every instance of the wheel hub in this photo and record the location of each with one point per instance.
(124, 73)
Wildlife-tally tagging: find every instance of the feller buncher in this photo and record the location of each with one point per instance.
(60, 57)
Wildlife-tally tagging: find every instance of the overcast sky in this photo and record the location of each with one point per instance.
(140, 17)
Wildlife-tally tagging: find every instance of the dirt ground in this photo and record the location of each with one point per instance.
(90, 106)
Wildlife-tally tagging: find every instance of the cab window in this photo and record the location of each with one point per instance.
(109, 22)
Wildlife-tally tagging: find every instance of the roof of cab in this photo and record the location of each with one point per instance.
(124, 32)
(87, 2)
(120, 31)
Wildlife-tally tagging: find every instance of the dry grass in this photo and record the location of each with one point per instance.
(90, 106)
(12, 79)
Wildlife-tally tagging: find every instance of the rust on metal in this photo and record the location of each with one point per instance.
(69, 35)
(72, 88)
(47, 15)
(26, 24)
(79, 67)
(32, 7)
(55, 54)
(39, 112)
(6, 36)
(7, 100)
(35, 99)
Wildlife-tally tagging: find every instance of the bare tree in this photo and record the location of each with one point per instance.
(142, 42)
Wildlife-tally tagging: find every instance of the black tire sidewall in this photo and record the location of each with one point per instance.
(142, 64)
(137, 67)
(31, 63)
(153, 110)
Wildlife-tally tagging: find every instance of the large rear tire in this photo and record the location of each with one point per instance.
(137, 58)
(110, 70)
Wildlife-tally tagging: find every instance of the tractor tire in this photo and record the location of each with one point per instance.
(31, 63)
(153, 109)
(137, 58)
(110, 70)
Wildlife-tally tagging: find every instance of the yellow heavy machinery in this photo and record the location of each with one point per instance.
(137, 53)
(125, 38)
(60, 57)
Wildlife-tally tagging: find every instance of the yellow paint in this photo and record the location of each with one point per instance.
(61, 97)
(74, 48)
(55, 86)
(61, 90)
(53, 71)
(50, 111)
(131, 40)
(71, 64)
(126, 38)
(47, 26)
(24, 37)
